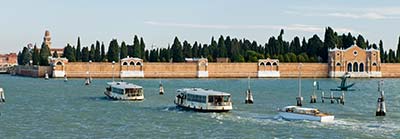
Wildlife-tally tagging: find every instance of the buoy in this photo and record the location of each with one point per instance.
(381, 107)
(161, 89)
(299, 98)
(65, 78)
(249, 95)
(46, 76)
(87, 81)
(313, 96)
(2, 96)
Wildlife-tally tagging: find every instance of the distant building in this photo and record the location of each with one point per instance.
(47, 41)
(355, 60)
(8, 59)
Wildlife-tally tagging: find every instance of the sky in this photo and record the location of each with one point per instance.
(159, 21)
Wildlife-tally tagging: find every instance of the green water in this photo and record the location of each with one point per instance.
(38, 108)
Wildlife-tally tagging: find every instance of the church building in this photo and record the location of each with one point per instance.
(355, 60)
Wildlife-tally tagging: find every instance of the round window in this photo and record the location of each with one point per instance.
(337, 54)
(355, 53)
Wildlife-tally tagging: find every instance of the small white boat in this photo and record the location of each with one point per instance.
(203, 100)
(46, 76)
(87, 81)
(2, 96)
(161, 89)
(124, 91)
(300, 113)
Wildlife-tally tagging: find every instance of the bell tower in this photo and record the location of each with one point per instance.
(47, 38)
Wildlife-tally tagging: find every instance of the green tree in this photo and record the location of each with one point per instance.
(44, 55)
(55, 54)
(187, 51)
(97, 55)
(35, 56)
(69, 53)
(398, 52)
(85, 54)
(329, 40)
(361, 42)
(92, 52)
(103, 53)
(176, 50)
(124, 50)
(222, 52)
(136, 47)
(113, 51)
(382, 52)
(25, 56)
(142, 48)
(78, 50)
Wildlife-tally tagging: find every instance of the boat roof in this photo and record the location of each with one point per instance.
(203, 92)
(299, 108)
(123, 85)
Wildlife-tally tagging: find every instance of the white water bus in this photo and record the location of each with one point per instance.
(124, 91)
(301, 113)
(203, 100)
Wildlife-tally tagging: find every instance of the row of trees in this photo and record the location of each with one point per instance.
(237, 50)
(34, 56)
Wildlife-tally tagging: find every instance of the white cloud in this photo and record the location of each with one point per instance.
(355, 13)
(370, 15)
(296, 27)
(292, 27)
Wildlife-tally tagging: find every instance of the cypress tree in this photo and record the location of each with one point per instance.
(26, 56)
(329, 39)
(92, 53)
(142, 47)
(124, 50)
(55, 54)
(97, 55)
(187, 51)
(35, 56)
(113, 51)
(136, 47)
(398, 51)
(78, 50)
(85, 54)
(176, 50)
(361, 42)
(44, 55)
(221, 47)
(382, 52)
(69, 53)
(103, 53)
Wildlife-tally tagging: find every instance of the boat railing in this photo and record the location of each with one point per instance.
(221, 104)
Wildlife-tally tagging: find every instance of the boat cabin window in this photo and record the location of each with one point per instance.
(131, 92)
(196, 98)
(117, 90)
(219, 100)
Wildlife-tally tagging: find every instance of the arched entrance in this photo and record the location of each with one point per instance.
(349, 67)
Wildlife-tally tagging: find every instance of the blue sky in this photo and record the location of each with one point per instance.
(159, 21)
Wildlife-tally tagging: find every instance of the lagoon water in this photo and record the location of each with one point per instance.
(38, 108)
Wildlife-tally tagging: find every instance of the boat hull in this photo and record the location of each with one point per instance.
(201, 109)
(116, 96)
(296, 116)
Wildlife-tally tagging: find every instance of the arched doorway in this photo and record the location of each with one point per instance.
(355, 67)
(361, 67)
(349, 67)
